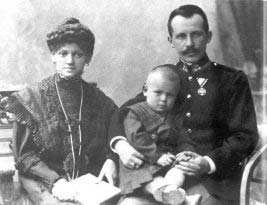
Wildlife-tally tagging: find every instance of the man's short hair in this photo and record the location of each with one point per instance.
(188, 11)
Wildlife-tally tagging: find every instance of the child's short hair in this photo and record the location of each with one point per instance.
(169, 71)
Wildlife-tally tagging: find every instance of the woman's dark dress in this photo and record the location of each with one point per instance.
(41, 141)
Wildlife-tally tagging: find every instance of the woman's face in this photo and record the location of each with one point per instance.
(70, 60)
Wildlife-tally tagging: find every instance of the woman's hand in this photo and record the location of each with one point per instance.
(109, 171)
(197, 165)
(62, 190)
(129, 156)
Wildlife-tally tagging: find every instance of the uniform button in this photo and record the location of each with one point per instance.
(188, 114)
(189, 130)
(188, 96)
(190, 78)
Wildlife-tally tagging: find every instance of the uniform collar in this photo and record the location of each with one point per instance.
(200, 65)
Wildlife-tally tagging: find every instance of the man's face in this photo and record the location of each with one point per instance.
(189, 38)
(160, 93)
(69, 60)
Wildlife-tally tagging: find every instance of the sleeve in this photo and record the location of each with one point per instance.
(241, 128)
(26, 154)
(113, 130)
(116, 127)
(139, 138)
(211, 164)
(27, 158)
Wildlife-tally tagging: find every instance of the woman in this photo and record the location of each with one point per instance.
(62, 122)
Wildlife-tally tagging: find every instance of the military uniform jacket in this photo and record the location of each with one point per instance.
(218, 116)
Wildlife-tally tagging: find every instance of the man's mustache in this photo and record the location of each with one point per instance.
(189, 50)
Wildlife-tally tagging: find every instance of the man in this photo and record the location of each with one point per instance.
(216, 111)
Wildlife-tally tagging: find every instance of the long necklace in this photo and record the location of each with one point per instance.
(70, 129)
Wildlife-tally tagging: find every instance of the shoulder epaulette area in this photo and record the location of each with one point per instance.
(224, 67)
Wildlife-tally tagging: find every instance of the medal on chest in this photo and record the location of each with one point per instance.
(202, 91)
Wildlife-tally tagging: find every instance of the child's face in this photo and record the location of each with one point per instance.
(160, 93)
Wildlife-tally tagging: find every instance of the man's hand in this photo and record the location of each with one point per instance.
(130, 157)
(197, 165)
(63, 191)
(166, 159)
(109, 171)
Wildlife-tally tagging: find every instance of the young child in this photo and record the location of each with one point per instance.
(149, 129)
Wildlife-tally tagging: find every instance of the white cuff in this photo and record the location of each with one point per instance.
(113, 140)
(211, 163)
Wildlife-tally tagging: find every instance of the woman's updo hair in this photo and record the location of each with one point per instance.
(71, 31)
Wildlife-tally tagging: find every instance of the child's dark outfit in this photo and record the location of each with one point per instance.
(152, 135)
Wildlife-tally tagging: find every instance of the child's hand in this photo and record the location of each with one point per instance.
(166, 159)
(183, 156)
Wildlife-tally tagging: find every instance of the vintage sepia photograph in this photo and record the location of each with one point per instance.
(133, 102)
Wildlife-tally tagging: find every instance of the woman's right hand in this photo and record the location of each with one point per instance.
(129, 156)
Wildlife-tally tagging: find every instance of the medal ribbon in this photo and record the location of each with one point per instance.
(202, 81)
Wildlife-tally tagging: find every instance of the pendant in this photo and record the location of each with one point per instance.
(202, 91)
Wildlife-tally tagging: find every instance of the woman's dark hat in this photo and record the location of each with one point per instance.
(71, 31)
